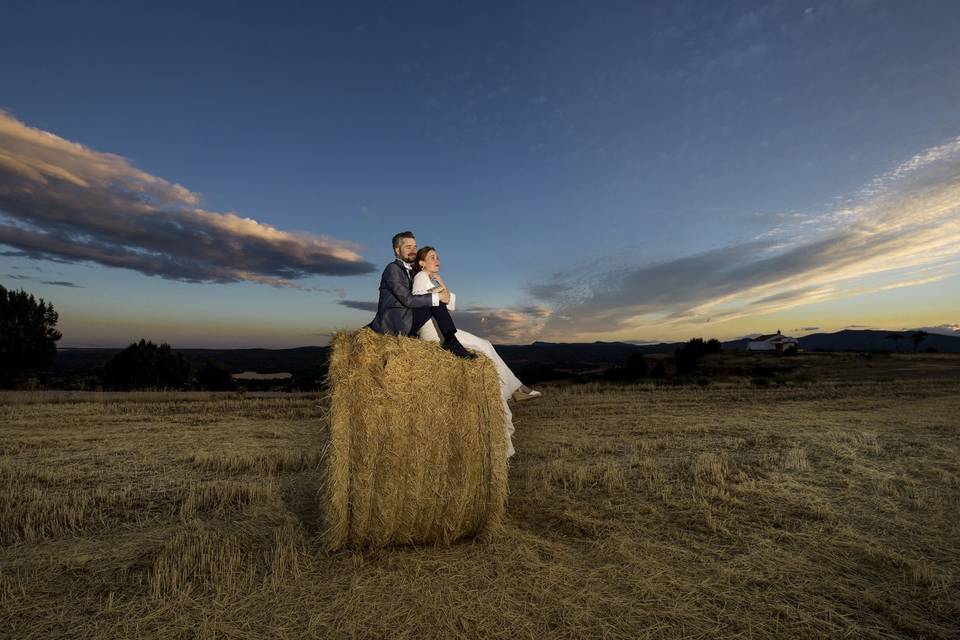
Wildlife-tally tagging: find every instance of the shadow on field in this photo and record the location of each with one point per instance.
(301, 493)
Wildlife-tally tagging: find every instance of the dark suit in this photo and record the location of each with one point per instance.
(401, 313)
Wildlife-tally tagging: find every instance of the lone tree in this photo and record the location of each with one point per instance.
(28, 334)
(918, 337)
(144, 365)
(896, 337)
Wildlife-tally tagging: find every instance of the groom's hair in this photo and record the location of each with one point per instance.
(400, 236)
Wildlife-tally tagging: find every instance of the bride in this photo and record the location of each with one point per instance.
(426, 266)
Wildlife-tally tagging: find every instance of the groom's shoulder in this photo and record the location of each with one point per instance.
(393, 266)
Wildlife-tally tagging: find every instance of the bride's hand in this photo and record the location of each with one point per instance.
(436, 276)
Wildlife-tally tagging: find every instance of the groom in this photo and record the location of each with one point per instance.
(399, 312)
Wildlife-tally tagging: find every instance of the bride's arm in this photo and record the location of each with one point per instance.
(421, 284)
(452, 305)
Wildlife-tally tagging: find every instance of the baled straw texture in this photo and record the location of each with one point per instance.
(417, 444)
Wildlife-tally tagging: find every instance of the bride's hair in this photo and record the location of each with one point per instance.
(421, 255)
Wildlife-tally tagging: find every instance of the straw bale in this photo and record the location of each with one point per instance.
(417, 444)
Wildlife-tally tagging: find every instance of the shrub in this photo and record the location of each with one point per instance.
(635, 368)
(688, 356)
(144, 365)
(214, 376)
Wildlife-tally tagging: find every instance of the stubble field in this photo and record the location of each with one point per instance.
(815, 509)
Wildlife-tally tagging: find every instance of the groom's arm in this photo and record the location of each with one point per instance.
(397, 283)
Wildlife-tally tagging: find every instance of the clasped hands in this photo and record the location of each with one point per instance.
(441, 289)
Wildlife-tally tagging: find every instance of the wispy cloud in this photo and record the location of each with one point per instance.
(943, 329)
(913, 283)
(903, 229)
(359, 305)
(514, 325)
(62, 201)
(55, 283)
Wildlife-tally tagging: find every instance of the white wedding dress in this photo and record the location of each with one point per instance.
(508, 382)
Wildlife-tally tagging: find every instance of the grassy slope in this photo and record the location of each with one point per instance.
(821, 510)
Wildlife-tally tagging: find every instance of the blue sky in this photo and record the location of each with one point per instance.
(230, 174)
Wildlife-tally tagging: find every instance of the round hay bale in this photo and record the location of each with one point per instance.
(417, 448)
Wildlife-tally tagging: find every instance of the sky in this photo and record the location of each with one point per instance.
(230, 174)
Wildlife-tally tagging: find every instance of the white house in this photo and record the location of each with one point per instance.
(772, 342)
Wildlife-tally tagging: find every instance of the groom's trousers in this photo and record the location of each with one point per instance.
(439, 313)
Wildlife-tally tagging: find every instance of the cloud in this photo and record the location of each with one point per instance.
(359, 305)
(64, 202)
(514, 325)
(941, 329)
(914, 283)
(901, 227)
(55, 283)
(806, 329)
(549, 291)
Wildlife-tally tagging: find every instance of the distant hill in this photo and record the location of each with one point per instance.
(871, 340)
(566, 353)
(262, 360)
(538, 360)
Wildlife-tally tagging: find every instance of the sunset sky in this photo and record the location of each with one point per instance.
(230, 174)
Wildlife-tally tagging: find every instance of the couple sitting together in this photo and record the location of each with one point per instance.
(415, 301)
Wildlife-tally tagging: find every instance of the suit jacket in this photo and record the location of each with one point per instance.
(396, 304)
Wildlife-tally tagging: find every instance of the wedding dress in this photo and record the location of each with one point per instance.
(422, 283)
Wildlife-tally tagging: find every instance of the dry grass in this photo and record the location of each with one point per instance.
(823, 510)
(417, 444)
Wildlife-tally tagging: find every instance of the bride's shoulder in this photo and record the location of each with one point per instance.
(422, 276)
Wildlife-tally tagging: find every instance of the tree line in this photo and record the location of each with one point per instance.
(685, 361)
(28, 341)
